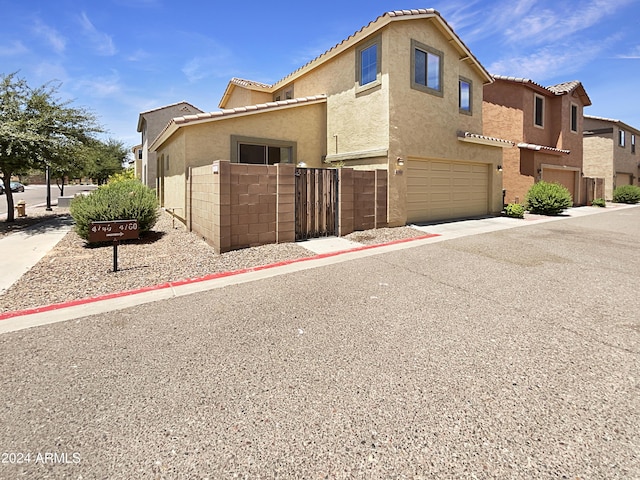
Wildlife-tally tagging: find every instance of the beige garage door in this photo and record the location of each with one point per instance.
(623, 179)
(439, 190)
(563, 177)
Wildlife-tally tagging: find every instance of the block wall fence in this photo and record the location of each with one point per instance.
(234, 205)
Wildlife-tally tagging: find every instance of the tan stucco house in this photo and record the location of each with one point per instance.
(402, 94)
(150, 124)
(610, 152)
(546, 123)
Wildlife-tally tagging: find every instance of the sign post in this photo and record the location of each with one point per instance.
(114, 230)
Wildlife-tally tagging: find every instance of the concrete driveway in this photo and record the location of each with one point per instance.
(512, 354)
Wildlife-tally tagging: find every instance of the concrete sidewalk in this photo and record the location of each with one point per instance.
(22, 250)
(29, 246)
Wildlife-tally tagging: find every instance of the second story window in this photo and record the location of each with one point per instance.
(633, 143)
(621, 138)
(368, 62)
(574, 118)
(426, 68)
(538, 111)
(464, 95)
(139, 154)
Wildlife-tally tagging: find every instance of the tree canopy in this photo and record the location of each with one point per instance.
(37, 129)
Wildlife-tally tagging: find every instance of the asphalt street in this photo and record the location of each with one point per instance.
(37, 195)
(512, 354)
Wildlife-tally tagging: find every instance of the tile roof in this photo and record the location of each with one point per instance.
(228, 112)
(559, 89)
(469, 136)
(142, 114)
(250, 84)
(533, 146)
(613, 120)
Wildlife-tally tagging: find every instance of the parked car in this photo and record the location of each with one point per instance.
(17, 187)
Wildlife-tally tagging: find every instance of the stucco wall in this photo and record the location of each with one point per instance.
(426, 125)
(241, 97)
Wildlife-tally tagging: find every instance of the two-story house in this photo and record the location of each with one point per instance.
(402, 94)
(150, 124)
(546, 123)
(610, 152)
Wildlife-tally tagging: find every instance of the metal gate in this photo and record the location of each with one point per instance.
(316, 202)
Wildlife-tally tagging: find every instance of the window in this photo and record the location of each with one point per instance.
(621, 138)
(139, 154)
(426, 66)
(464, 95)
(538, 111)
(633, 143)
(261, 151)
(574, 118)
(368, 62)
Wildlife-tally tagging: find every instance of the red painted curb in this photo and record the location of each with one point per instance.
(188, 281)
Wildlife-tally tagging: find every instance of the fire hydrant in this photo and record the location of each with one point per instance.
(21, 207)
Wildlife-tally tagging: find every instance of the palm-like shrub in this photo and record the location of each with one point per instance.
(548, 198)
(119, 200)
(626, 194)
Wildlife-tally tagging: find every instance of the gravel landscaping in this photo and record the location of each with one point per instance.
(73, 270)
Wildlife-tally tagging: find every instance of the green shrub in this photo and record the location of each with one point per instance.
(127, 174)
(119, 200)
(548, 198)
(514, 210)
(626, 194)
(599, 202)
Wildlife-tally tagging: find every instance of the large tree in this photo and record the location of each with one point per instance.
(37, 130)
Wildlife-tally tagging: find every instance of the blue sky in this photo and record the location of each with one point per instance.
(120, 57)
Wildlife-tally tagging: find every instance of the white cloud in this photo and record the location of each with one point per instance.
(102, 42)
(14, 48)
(105, 86)
(549, 61)
(51, 35)
(634, 53)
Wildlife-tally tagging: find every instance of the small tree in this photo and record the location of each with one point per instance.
(548, 198)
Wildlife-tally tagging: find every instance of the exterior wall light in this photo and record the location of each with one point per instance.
(400, 161)
(499, 168)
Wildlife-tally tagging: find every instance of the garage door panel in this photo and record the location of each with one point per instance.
(438, 190)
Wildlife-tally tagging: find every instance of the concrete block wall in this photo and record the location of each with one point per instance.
(234, 205)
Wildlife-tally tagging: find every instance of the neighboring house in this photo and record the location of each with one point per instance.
(402, 94)
(137, 161)
(610, 152)
(546, 123)
(150, 124)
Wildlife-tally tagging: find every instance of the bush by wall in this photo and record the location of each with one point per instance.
(599, 202)
(626, 194)
(514, 210)
(117, 200)
(548, 198)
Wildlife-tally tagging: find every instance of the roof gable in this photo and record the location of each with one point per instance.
(186, 106)
(368, 30)
(553, 90)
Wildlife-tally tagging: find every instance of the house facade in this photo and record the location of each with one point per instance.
(150, 124)
(403, 94)
(546, 123)
(610, 152)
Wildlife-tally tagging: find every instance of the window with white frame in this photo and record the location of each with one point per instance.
(368, 62)
(464, 95)
(426, 68)
(633, 143)
(621, 139)
(538, 111)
